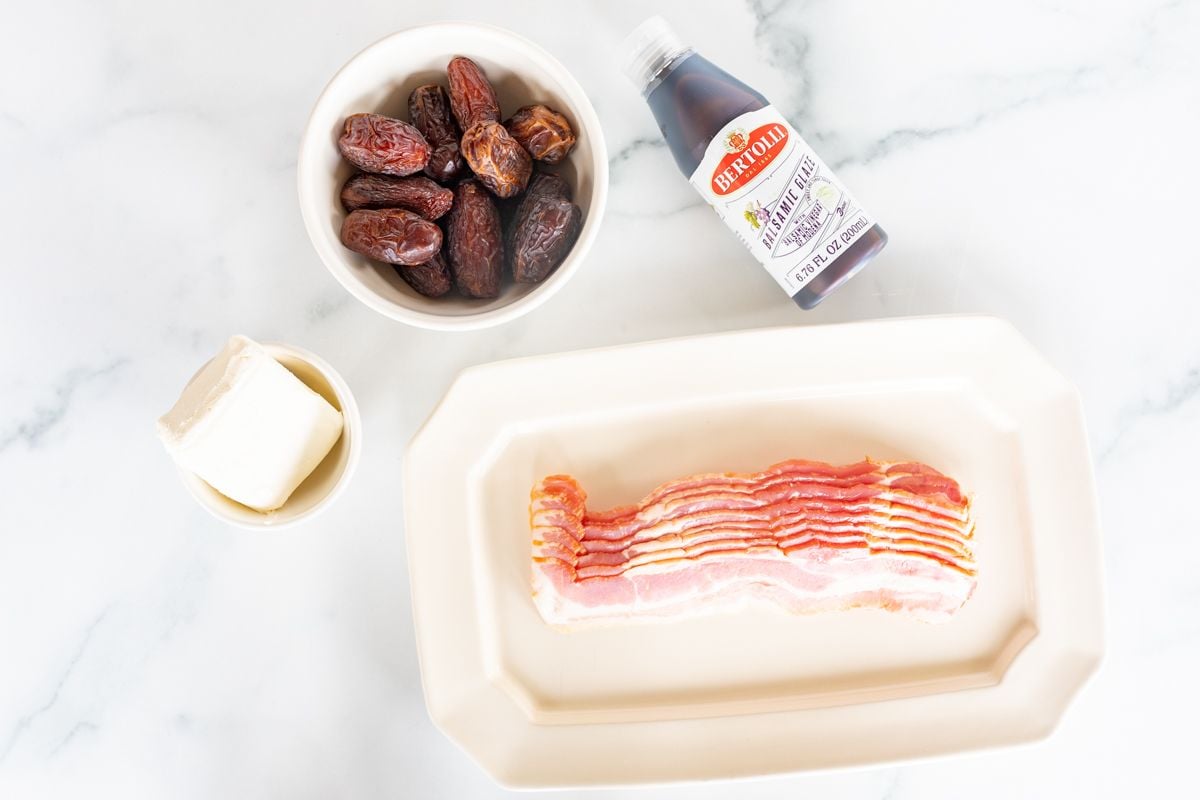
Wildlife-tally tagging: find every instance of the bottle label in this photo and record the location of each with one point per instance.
(779, 197)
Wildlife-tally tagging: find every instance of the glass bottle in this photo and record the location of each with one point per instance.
(762, 178)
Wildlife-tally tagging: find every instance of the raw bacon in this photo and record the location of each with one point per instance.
(804, 535)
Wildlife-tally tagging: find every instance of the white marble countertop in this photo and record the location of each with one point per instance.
(1035, 160)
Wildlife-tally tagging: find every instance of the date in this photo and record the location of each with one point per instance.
(498, 160)
(431, 279)
(543, 232)
(429, 111)
(415, 193)
(542, 131)
(394, 235)
(375, 143)
(542, 184)
(474, 241)
(545, 184)
(472, 98)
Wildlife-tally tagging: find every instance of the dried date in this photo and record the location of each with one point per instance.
(429, 112)
(543, 232)
(544, 184)
(393, 235)
(497, 159)
(542, 131)
(415, 193)
(376, 143)
(431, 279)
(474, 241)
(472, 98)
(446, 163)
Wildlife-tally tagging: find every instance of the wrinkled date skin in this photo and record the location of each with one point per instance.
(472, 98)
(497, 159)
(415, 193)
(542, 131)
(545, 184)
(446, 163)
(429, 111)
(542, 184)
(393, 235)
(376, 143)
(431, 279)
(474, 241)
(543, 232)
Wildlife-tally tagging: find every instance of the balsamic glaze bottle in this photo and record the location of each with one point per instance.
(764, 181)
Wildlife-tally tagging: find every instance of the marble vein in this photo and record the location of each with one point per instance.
(1178, 394)
(76, 730)
(892, 786)
(618, 167)
(25, 721)
(787, 48)
(44, 418)
(325, 307)
(635, 148)
(1070, 83)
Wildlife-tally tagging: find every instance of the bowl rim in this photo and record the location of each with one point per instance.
(201, 491)
(334, 262)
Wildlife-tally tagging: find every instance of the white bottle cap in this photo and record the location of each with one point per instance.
(649, 49)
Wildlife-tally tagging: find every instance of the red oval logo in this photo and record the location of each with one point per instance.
(748, 156)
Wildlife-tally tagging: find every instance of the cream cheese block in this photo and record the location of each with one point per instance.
(250, 428)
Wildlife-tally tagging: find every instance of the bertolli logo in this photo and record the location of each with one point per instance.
(735, 141)
(747, 156)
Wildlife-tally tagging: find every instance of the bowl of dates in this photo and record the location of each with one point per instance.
(453, 176)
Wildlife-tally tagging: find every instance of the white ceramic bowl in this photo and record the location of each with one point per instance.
(380, 79)
(322, 487)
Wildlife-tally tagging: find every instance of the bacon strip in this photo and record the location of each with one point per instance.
(805, 535)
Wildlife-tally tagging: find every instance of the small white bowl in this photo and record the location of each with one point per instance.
(318, 491)
(380, 79)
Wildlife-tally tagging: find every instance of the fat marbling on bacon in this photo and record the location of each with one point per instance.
(805, 535)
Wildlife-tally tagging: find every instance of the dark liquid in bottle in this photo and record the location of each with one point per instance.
(692, 100)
